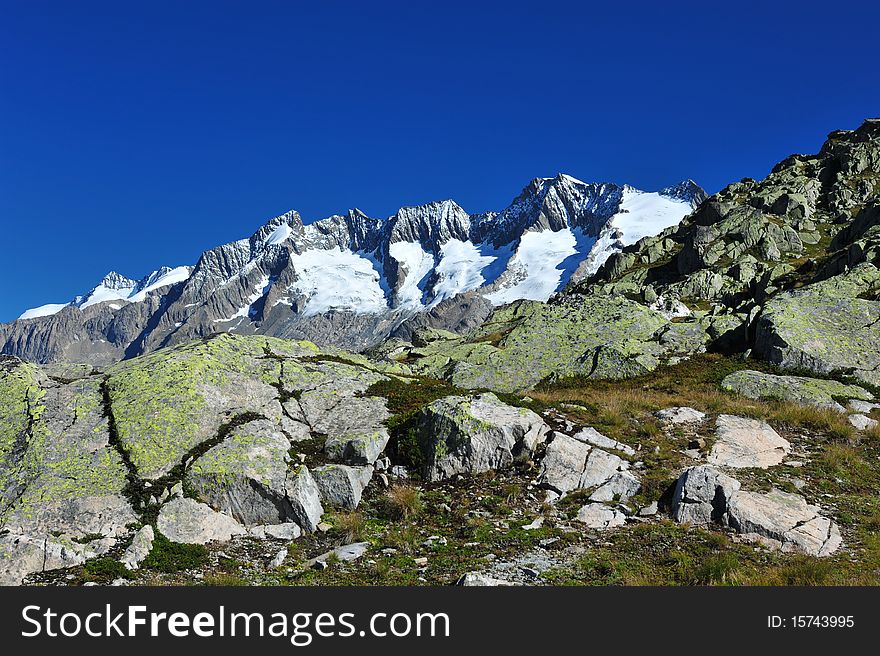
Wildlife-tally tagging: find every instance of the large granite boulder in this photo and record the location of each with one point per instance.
(827, 327)
(469, 435)
(704, 495)
(571, 464)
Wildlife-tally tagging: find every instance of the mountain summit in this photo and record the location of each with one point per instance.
(351, 280)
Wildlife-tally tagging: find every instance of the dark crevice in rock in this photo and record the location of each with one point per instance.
(134, 489)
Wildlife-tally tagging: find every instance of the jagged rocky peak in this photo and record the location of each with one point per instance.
(430, 225)
(114, 280)
(554, 204)
(686, 190)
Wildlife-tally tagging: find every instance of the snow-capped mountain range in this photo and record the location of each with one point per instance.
(352, 280)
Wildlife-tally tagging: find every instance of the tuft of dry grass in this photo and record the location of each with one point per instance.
(402, 502)
(352, 525)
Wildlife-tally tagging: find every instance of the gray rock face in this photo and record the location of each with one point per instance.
(248, 476)
(599, 516)
(139, 549)
(463, 435)
(743, 442)
(701, 495)
(704, 495)
(796, 389)
(190, 522)
(826, 327)
(305, 499)
(570, 464)
(340, 485)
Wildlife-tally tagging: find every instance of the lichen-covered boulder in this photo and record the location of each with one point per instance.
(527, 342)
(167, 403)
(61, 482)
(826, 327)
(247, 476)
(743, 442)
(353, 424)
(796, 389)
(469, 435)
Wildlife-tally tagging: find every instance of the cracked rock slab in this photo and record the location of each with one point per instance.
(704, 495)
(570, 464)
(342, 486)
(187, 521)
(784, 520)
(600, 516)
(595, 438)
(743, 442)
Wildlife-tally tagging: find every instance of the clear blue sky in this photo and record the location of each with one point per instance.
(139, 134)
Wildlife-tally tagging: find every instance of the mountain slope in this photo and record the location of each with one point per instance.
(351, 280)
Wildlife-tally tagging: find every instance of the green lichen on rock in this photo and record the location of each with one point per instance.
(826, 327)
(22, 436)
(527, 342)
(68, 455)
(166, 403)
(816, 392)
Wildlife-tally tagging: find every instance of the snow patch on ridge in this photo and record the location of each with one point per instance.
(418, 265)
(543, 263)
(644, 214)
(465, 266)
(337, 279)
(44, 310)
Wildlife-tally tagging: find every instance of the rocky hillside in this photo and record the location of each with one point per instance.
(785, 268)
(703, 409)
(351, 281)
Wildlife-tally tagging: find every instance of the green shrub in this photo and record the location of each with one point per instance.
(106, 568)
(169, 557)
